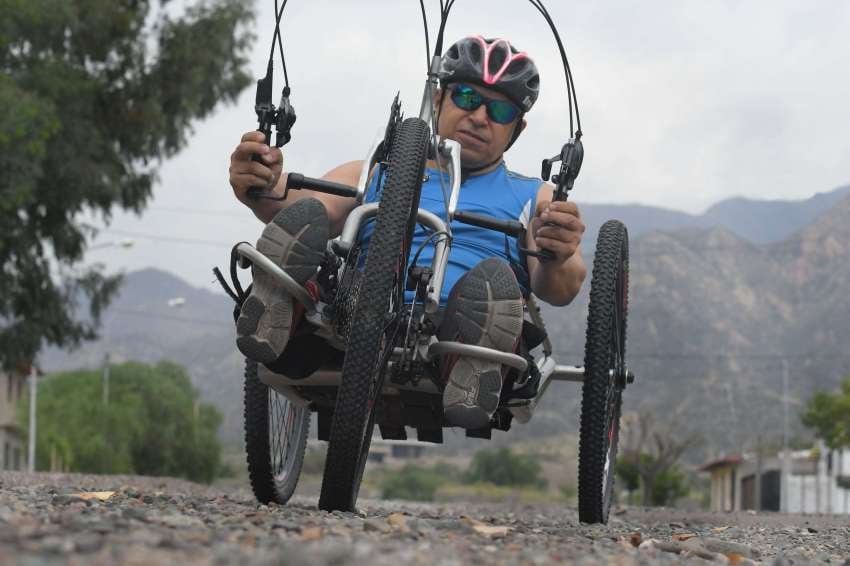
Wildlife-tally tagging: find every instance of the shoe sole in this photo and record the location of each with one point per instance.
(489, 312)
(295, 240)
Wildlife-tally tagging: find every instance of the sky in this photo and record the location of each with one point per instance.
(683, 104)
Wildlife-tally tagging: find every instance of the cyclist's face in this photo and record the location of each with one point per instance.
(482, 140)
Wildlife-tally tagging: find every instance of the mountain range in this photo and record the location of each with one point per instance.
(721, 304)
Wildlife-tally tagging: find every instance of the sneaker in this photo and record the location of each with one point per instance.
(486, 306)
(295, 240)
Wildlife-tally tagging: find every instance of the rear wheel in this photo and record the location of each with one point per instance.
(275, 439)
(605, 372)
(375, 319)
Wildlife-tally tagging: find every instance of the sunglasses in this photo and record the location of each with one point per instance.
(499, 111)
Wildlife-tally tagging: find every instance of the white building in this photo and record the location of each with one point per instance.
(395, 451)
(807, 481)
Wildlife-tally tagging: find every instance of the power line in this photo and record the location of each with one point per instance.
(188, 320)
(170, 239)
(201, 211)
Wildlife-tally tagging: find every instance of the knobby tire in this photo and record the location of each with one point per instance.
(605, 350)
(386, 261)
(263, 447)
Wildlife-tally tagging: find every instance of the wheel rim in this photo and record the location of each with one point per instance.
(285, 424)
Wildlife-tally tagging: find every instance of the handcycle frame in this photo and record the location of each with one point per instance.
(449, 150)
(548, 367)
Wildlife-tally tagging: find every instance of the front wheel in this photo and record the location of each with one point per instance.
(604, 373)
(375, 319)
(275, 439)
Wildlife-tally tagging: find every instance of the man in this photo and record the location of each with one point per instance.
(487, 87)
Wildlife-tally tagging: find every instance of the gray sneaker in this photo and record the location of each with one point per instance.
(295, 240)
(486, 308)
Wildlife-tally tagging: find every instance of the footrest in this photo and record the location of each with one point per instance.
(508, 359)
(253, 255)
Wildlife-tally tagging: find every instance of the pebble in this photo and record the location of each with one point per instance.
(728, 547)
(164, 521)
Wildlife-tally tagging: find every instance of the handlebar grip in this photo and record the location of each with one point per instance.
(298, 181)
(509, 227)
(255, 192)
(265, 129)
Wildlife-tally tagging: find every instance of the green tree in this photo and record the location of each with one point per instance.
(151, 424)
(670, 485)
(629, 474)
(94, 95)
(504, 467)
(666, 485)
(828, 414)
(651, 450)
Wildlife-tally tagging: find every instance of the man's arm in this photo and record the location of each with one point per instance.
(245, 173)
(557, 281)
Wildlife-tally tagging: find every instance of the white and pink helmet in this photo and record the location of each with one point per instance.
(492, 63)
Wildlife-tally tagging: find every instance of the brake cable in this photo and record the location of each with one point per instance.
(283, 117)
(445, 9)
(572, 152)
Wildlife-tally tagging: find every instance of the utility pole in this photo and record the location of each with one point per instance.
(785, 484)
(106, 379)
(107, 455)
(33, 392)
(757, 502)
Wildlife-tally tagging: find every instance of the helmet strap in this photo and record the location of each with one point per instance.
(517, 131)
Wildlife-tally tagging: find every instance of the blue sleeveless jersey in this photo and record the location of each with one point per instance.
(499, 193)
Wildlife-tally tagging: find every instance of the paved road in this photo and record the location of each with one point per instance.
(45, 520)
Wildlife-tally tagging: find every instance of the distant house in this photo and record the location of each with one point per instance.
(394, 451)
(12, 443)
(814, 481)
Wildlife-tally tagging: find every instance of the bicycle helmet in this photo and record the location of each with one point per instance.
(493, 63)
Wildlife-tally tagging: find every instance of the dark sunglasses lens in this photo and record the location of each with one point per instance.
(501, 111)
(465, 98)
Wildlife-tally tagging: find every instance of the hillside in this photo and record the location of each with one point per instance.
(758, 221)
(716, 319)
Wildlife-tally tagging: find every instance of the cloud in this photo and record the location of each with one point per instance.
(682, 104)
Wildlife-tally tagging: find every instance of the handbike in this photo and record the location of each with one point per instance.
(387, 370)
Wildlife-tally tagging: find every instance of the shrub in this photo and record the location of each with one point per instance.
(503, 467)
(414, 483)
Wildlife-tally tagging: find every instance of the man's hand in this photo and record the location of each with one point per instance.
(557, 227)
(245, 173)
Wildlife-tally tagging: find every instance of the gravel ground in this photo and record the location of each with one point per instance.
(45, 520)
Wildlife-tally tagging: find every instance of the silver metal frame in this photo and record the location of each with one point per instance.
(446, 348)
(250, 253)
(366, 169)
(522, 409)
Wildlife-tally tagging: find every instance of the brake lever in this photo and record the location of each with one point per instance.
(571, 158)
(282, 118)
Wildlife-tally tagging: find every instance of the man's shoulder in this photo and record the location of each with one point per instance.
(520, 177)
(524, 186)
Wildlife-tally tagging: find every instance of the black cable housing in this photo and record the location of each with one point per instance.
(571, 91)
(444, 17)
(277, 38)
(427, 37)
